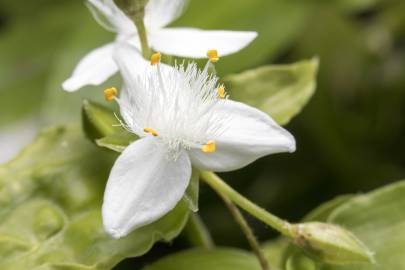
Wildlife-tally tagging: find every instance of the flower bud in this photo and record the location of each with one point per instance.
(331, 243)
(132, 8)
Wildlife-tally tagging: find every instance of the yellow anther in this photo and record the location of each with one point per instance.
(210, 147)
(213, 56)
(110, 93)
(150, 131)
(155, 58)
(221, 92)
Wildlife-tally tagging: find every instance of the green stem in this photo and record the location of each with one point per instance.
(221, 187)
(143, 37)
(197, 233)
(254, 244)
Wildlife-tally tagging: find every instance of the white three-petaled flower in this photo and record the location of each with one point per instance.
(98, 65)
(183, 119)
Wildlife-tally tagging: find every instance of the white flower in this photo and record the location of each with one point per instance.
(183, 119)
(98, 65)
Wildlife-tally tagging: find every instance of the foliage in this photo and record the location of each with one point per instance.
(371, 217)
(349, 136)
(50, 198)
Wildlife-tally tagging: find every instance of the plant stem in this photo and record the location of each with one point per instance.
(197, 233)
(143, 37)
(254, 244)
(225, 190)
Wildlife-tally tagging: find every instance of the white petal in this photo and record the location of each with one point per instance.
(108, 15)
(249, 135)
(194, 43)
(143, 186)
(94, 69)
(159, 13)
(131, 65)
(130, 62)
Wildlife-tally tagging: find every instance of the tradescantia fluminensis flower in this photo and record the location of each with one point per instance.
(98, 65)
(184, 119)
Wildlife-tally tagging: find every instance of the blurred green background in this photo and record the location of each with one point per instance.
(349, 137)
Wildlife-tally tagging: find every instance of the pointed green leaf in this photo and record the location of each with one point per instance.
(203, 259)
(99, 121)
(50, 208)
(322, 212)
(117, 141)
(280, 90)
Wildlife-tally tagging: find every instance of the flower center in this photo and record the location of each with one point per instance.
(176, 105)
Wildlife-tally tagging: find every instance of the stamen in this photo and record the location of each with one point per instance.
(210, 147)
(110, 93)
(221, 92)
(151, 131)
(213, 56)
(155, 58)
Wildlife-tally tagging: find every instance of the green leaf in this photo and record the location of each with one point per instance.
(377, 219)
(50, 208)
(99, 121)
(322, 212)
(117, 141)
(279, 90)
(203, 259)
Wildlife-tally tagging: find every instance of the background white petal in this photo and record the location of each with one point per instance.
(94, 69)
(130, 62)
(159, 13)
(143, 186)
(194, 43)
(249, 135)
(106, 10)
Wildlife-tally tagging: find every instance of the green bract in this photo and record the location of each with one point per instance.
(50, 208)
